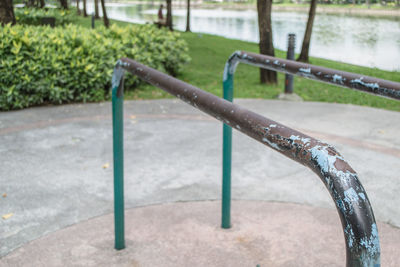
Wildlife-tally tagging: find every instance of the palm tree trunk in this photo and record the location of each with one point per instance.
(96, 9)
(84, 8)
(169, 15)
(188, 16)
(64, 4)
(266, 45)
(78, 11)
(30, 3)
(105, 18)
(7, 12)
(307, 35)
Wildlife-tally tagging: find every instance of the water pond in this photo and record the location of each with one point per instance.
(366, 41)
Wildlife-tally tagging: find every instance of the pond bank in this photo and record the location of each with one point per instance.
(394, 13)
(325, 9)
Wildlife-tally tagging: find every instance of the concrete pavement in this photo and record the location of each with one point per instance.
(56, 162)
(188, 234)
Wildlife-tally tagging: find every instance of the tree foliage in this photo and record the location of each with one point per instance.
(33, 16)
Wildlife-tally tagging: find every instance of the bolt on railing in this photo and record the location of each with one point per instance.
(353, 206)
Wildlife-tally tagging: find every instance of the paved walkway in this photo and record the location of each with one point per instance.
(188, 234)
(56, 165)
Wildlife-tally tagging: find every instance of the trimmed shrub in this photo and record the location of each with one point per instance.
(74, 64)
(33, 16)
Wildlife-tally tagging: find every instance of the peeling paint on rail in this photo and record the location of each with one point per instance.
(349, 196)
(340, 78)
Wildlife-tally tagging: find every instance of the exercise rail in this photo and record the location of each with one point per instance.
(340, 78)
(353, 206)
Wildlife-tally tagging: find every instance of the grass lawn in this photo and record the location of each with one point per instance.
(209, 54)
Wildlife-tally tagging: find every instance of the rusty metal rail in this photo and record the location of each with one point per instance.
(341, 78)
(349, 196)
(345, 79)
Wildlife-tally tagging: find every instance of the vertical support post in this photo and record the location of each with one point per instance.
(227, 156)
(93, 21)
(118, 146)
(290, 56)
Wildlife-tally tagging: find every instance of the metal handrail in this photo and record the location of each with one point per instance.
(340, 78)
(358, 221)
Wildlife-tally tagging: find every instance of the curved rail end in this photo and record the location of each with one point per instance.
(231, 64)
(360, 229)
(117, 84)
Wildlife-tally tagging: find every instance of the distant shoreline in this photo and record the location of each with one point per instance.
(395, 13)
(324, 9)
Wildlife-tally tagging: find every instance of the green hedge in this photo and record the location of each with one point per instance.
(33, 16)
(39, 64)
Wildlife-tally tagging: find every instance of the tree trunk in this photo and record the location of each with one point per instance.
(169, 15)
(77, 7)
(7, 12)
(42, 3)
(84, 8)
(307, 35)
(96, 9)
(64, 4)
(30, 3)
(264, 8)
(105, 18)
(188, 16)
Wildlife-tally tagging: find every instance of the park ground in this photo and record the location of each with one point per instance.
(57, 172)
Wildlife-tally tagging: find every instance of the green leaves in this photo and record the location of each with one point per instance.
(16, 48)
(33, 16)
(39, 64)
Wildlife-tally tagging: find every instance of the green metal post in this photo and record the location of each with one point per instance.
(227, 156)
(118, 145)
